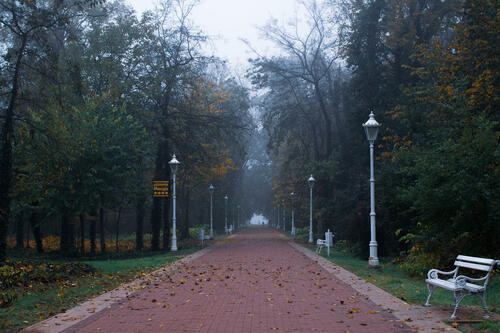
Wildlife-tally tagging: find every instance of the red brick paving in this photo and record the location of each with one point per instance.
(254, 282)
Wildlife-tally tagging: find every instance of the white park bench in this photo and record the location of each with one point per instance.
(203, 237)
(462, 285)
(328, 242)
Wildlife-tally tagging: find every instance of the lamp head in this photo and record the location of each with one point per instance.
(211, 189)
(371, 128)
(174, 164)
(311, 181)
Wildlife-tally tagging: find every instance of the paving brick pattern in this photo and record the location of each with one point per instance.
(253, 282)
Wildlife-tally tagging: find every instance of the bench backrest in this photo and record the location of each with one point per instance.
(475, 263)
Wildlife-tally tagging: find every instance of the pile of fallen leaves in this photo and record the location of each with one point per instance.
(22, 274)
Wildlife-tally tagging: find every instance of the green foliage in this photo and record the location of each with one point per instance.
(82, 160)
(429, 71)
(348, 248)
(194, 231)
(303, 234)
(453, 194)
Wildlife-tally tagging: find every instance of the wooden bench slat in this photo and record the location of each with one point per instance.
(442, 283)
(484, 261)
(472, 266)
(450, 285)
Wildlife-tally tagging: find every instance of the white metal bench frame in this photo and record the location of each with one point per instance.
(203, 237)
(328, 242)
(462, 285)
(319, 245)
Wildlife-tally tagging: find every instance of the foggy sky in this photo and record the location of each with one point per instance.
(228, 21)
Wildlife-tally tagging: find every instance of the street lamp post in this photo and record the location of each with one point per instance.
(293, 222)
(238, 218)
(274, 216)
(311, 183)
(284, 214)
(278, 220)
(211, 190)
(174, 165)
(225, 213)
(371, 129)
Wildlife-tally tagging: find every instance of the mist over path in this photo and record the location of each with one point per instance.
(252, 282)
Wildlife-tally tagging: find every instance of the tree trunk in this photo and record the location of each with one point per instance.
(82, 234)
(20, 232)
(326, 119)
(66, 244)
(37, 232)
(6, 153)
(155, 224)
(102, 233)
(166, 223)
(28, 237)
(93, 234)
(139, 220)
(156, 209)
(117, 242)
(185, 226)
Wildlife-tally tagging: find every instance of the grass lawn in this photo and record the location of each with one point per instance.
(41, 301)
(414, 290)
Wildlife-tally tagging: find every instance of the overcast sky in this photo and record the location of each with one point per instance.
(228, 21)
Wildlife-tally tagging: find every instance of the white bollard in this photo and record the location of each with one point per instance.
(329, 240)
(202, 236)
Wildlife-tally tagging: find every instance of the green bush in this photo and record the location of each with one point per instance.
(194, 231)
(303, 234)
(347, 247)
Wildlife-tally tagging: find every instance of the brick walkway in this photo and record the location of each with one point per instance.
(253, 282)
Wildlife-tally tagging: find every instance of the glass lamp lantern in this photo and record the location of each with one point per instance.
(371, 128)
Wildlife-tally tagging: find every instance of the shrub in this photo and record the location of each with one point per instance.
(303, 234)
(348, 247)
(194, 231)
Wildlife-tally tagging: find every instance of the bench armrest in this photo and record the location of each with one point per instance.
(461, 280)
(433, 273)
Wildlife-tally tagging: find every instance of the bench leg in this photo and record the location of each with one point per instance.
(458, 299)
(483, 300)
(431, 288)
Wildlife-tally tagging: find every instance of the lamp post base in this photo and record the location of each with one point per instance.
(377, 268)
(174, 245)
(373, 260)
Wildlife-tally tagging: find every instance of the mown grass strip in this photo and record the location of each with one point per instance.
(39, 301)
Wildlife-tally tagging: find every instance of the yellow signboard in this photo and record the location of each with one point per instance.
(160, 188)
